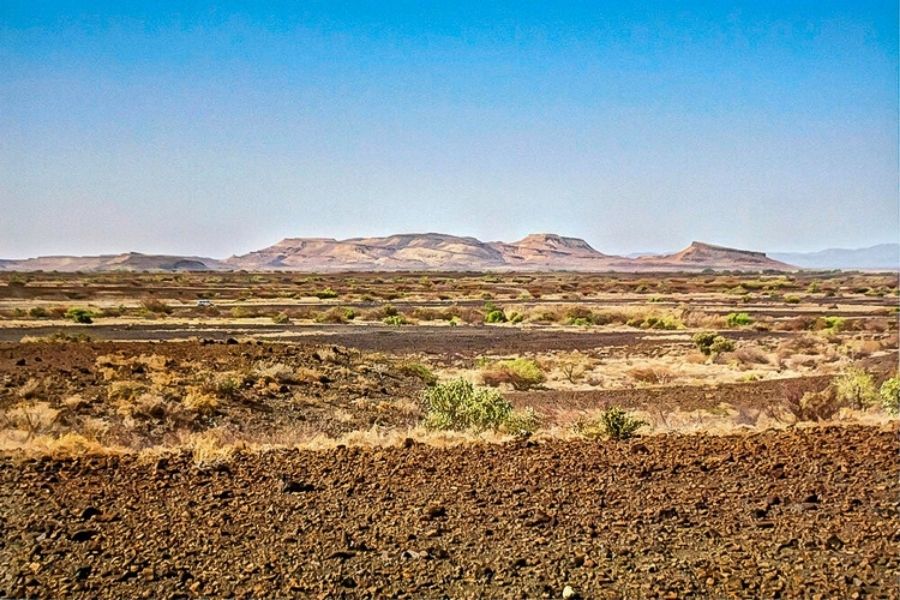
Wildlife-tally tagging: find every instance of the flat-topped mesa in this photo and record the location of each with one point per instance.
(703, 255)
(704, 250)
(553, 241)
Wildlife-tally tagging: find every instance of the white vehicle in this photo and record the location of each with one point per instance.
(204, 302)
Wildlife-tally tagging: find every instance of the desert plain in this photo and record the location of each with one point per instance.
(449, 434)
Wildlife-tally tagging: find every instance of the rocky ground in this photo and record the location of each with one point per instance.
(796, 513)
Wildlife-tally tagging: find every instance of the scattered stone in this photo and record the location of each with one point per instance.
(290, 486)
(83, 535)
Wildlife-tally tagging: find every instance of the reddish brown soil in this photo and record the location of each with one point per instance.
(335, 390)
(441, 341)
(801, 513)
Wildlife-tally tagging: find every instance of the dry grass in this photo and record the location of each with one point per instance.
(31, 417)
(198, 402)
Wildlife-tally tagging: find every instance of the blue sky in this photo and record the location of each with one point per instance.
(187, 128)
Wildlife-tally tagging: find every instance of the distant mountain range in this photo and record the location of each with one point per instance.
(442, 252)
(881, 256)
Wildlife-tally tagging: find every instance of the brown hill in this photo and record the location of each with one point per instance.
(434, 251)
(700, 256)
(418, 252)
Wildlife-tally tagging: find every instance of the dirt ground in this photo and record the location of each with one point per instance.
(801, 513)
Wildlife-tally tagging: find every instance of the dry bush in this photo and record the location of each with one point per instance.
(154, 362)
(432, 314)
(653, 375)
(145, 406)
(278, 373)
(125, 390)
(342, 416)
(200, 403)
(75, 402)
(874, 325)
(861, 348)
(805, 344)
(31, 417)
(574, 367)
(164, 379)
(520, 373)
(811, 406)
(696, 358)
(211, 448)
(67, 445)
(29, 389)
(748, 356)
(800, 323)
(152, 305)
(543, 314)
(696, 319)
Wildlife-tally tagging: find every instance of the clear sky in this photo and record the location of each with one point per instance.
(186, 128)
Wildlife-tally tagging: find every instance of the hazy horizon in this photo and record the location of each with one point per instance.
(217, 131)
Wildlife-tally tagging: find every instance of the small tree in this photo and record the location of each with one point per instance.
(855, 387)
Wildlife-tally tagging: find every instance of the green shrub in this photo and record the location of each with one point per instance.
(832, 324)
(516, 317)
(326, 294)
(618, 424)
(394, 320)
(738, 319)
(580, 321)
(721, 344)
(495, 316)
(80, 315)
(521, 422)
(855, 387)
(666, 322)
(613, 423)
(704, 341)
(712, 344)
(890, 395)
(38, 312)
(521, 373)
(792, 299)
(459, 405)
